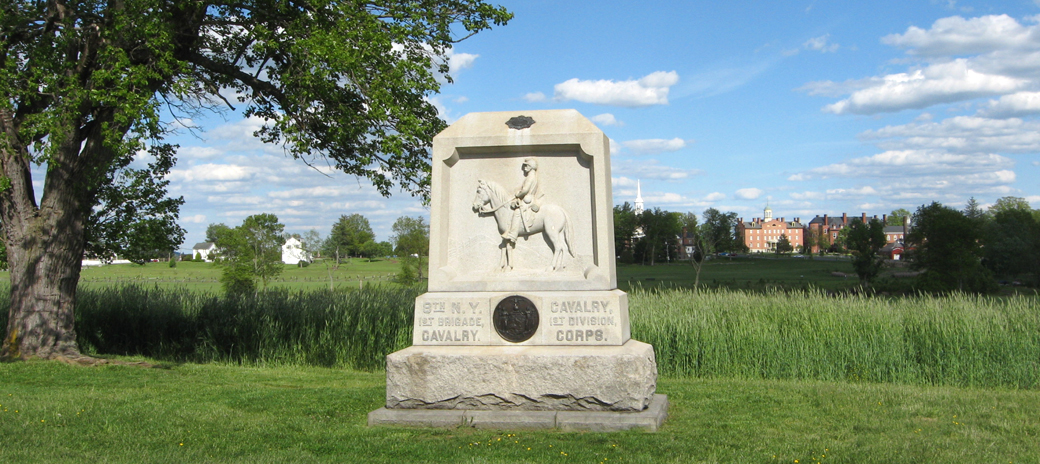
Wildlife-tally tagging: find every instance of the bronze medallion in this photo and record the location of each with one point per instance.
(516, 318)
(520, 122)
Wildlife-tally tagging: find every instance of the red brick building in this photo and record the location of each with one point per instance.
(829, 227)
(761, 235)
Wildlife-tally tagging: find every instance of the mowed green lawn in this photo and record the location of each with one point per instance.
(51, 412)
(205, 276)
(755, 273)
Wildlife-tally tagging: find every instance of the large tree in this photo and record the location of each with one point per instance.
(84, 86)
(1012, 244)
(946, 245)
(865, 241)
(412, 243)
(625, 224)
(720, 228)
(349, 236)
(661, 231)
(897, 216)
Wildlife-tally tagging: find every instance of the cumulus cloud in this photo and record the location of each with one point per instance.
(606, 119)
(715, 196)
(748, 193)
(807, 195)
(649, 90)
(961, 134)
(651, 169)
(958, 36)
(622, 182)
(654, 146)
(459, 61)
(938, 83)
(535, 97)
(911, 163)
(194, 219)
(821, 44)
(210, 172)
(1014, 105)
(956, 60)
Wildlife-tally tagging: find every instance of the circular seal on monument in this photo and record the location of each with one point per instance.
(515, 318)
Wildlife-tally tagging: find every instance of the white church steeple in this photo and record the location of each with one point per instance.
(639, 199)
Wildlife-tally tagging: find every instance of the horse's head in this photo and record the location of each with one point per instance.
(483, 196)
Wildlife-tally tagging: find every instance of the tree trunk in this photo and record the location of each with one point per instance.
(45, 242)
(41, 319)
(45, 253)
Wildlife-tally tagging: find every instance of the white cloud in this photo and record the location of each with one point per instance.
(715, 196)
(1017, 104)
(748, 193)
(664, 198)
(651, 169)
(236, 199)
(807, 195)
(459, 61)
(961, 134)
(622, 182)
(938, 83)
(211, 172)
(651, 89)
(615, 147)
(910, 163)
(194, 219)
(462, 99)
(958, 36)
(821, 44)
(195, 152)
(534, 97)
(956, 60)
(311, 192)
(606, 119)
(654, 146)
(851, 192)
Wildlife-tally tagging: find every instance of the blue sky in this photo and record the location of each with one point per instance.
(814, 107)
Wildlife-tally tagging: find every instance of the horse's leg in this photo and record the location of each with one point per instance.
(503, 261)
(510, 247)
(552, 232)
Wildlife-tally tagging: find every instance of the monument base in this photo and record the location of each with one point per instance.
(649, 419)
(532, 378)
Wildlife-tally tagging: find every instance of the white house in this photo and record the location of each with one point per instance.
(204, 249)
(293, 252)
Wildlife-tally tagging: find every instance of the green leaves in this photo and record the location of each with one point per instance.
(250, 252)
(865, 241)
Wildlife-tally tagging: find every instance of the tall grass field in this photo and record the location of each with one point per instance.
(954, 340)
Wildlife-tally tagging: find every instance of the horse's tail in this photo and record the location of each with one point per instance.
(568, 230)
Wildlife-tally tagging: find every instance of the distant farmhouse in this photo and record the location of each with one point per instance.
(204, 250)
(293, 252)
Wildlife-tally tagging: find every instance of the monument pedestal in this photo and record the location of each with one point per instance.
(558, 378)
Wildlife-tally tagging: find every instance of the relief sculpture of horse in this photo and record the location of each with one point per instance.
(493, 200)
